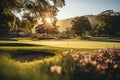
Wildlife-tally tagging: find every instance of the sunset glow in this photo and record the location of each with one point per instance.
(48, 20)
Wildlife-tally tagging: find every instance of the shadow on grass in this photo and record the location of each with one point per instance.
(18, 44)
(35, 39)
(101, 39)
(7, 39)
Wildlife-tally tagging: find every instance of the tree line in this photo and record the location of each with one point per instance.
(108, 24)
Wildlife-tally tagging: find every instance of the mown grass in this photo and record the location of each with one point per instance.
(90, 43)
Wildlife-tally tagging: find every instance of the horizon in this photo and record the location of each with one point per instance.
(86, 7)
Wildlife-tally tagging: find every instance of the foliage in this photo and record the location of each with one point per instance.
(6, 16)
(39, 8)
(81, 25)
(108, 23)
(6, 22)
(102, 64)
(48, 28)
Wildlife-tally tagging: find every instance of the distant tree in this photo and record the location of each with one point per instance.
(109, 23)
(81, 25)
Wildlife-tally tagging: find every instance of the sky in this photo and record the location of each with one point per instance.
(86, 7)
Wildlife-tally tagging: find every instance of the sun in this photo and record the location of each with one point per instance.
(48, 20)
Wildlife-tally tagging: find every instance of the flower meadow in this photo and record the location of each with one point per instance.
(102, 64)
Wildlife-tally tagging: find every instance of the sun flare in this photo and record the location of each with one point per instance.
(48, 20)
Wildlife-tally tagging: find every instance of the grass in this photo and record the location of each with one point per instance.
(26, 46)
(80, 44)
(92, 43)
(10, 69)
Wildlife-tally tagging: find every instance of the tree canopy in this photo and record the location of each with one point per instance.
(80, 25)
(109, 23)
(36, 8)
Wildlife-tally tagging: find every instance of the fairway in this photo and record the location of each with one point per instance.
(66, 43)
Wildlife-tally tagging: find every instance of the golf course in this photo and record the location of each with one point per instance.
(59, 40)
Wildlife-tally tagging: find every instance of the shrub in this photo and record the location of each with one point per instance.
(103, 64)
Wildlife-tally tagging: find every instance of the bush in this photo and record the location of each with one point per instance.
(103, 64)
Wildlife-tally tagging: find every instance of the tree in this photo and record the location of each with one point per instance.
(7, 18)
(108, 23)
(80, 25)
(46, 28)
(39, 8)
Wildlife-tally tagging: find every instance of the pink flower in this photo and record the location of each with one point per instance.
(98, 66)
(86, 60)
(75, 58)
(56, 69)
(115, 66)
(83, 64)
(104, 67)
(107, 61)
(94, 62)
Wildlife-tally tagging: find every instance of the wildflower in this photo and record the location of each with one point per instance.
(81, 60)
(75, 58)
(78, 52)
(104, 67)
(83, 64)
(65, 53)
(100, 51)
(107, 61)
(56, 69)
(111, 61)
(86, 60)
(94, 62)
(115, 66)
(98, 66)
(89, 57)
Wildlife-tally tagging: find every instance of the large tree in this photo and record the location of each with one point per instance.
(109, 23)
(39, 8)
(81, 25)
